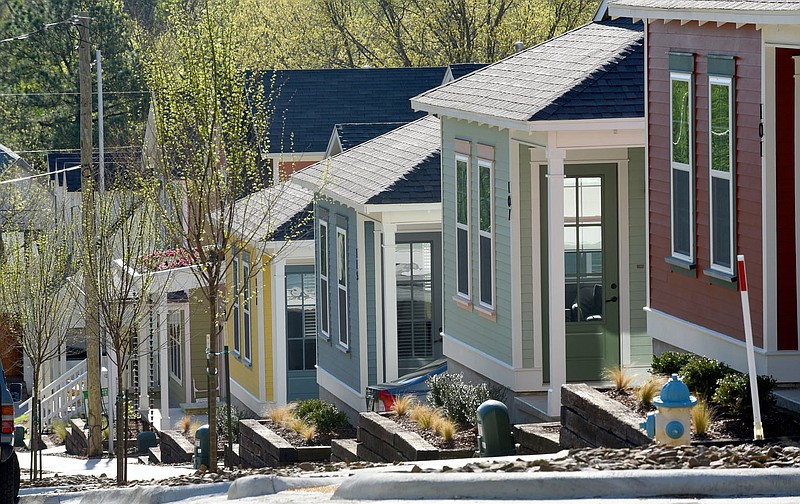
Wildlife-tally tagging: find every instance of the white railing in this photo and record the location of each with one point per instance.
(63, 397)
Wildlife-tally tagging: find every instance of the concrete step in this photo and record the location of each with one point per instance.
(154, 455)
(531, 408)
(788, 399)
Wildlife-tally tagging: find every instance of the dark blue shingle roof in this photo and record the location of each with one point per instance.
(60, 161)
(352, 134)
(308, 103)
(459, 70)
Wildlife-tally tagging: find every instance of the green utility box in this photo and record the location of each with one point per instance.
(19, 436)
(202, 449)
(145, 441)
(495, 438)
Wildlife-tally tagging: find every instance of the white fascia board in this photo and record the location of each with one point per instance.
(632, 123)
(489, 120)
(333, 142)
(299, 247)
(296, 157)
(760, 17)
(402, 208)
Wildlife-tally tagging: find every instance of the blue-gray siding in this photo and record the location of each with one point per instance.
(369, 266)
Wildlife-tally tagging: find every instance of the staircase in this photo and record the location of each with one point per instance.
(62, 398)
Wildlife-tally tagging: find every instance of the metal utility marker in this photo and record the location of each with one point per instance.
(758, 431)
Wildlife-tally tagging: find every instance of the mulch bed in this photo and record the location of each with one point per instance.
(319, 439)
(776, 423)
(466, 439)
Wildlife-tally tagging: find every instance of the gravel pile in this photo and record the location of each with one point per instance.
(652, 457)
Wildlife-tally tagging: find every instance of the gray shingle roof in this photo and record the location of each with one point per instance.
(534, 84)
(741, 5)
(277, 213)
(7, 157)
(401, 166)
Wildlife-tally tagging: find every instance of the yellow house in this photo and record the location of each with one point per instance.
(271, 307)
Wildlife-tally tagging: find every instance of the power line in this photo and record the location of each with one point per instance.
(38, 175)
(40, 30)
(40, 151)
(72, 93)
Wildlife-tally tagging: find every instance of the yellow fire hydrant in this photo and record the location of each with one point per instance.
(671, 425)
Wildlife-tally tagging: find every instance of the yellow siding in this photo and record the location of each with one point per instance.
(267, 308)
(245, 374)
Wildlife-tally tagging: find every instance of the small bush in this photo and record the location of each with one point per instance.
(307, 432)
(222, 421)
(60, 429)
(619, 377)
(423, 415)
(460, 400)
(323, 415)
(445, 428)
(193, 428)
(648, 391)
(701, 374)
(280, 415)
(732, 397)
(185, 423)
(670, 362)
(702, 416)
(402, 404)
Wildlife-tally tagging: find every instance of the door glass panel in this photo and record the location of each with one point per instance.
(301, 327)
(583, 249)
(414, 302)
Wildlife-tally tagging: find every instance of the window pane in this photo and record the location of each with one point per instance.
(342, 258)
(463, 261)
(590, 200)
(323, 301)
(681, 212)
(720, 128)
(421, 255)
(570, 201)
(486, 198)
(311, 353)
(486, 270)
(591, 249)
(462, 199)
(323, 250)
(721, 208)
(295, 355)
(343, 336)
(294, 323)
(680, 121)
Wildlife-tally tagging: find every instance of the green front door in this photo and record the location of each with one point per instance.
(591, 270)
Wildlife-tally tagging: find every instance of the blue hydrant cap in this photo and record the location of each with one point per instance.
(674, 394)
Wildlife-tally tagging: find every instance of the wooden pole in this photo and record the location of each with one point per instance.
(89, 229)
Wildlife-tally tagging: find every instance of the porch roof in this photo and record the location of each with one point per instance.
(593, 72)
(278, 213)
(401, 166)
(742, 11)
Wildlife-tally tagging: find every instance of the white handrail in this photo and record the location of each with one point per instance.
(60, 397)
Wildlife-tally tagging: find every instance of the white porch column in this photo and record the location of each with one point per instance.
(279, 335)
(390, 300)
(145, 333)
(796, 195)
(555, 253)
(163, 363)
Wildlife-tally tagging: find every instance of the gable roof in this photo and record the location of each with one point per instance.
(751, 11)
(277, 213)
(352, 134)
(458, 70)
(588, 63)
(401, 166)
(308, 103)
(7, 158)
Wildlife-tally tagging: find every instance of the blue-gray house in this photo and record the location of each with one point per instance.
(543, 214)
(378, 236)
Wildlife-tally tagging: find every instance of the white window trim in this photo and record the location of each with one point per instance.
(176, 343)
(467, 227)
(685, 77)
(712, 173)
(247, 337)
(325, 278)
(237, 333)
(485, 163)
(339, 287)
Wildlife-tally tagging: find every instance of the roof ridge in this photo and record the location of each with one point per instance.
(371, 140)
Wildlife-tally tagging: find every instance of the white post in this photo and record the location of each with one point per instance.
(758, 431)
(278, 335)
(145, 333)
(113, 386)
(390, 300)
(555, 253)
(163, 362)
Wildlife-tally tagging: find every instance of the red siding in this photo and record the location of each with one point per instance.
(289, 167)
(784, 193)
(694, 297)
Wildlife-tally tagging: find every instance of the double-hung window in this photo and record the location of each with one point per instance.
(175, 334)
(341, 270)
(324, 304)
(247, 342)
(236, 305)
(721, 172)
(485, 238)
(681, 167)
(463, 238)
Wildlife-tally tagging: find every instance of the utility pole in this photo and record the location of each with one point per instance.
(89, 230)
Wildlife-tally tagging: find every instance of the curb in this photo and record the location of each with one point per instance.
(572, 485)
(154, 494)
(254, 486)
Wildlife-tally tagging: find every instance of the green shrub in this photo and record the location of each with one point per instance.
(323, 415)
(732, 397)
(670, 362)
(701, 374)
(222, 422)
(460, 400)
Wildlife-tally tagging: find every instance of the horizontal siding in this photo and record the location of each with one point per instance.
(370, 268)
(694, 297)
(526, 255)
(469, 327)
(641, 347)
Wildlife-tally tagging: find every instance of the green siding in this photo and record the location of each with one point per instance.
(641, 343)
(471, 328)
(526, 254)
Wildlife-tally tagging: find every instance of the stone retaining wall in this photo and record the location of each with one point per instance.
(383, 440)
(76, 442)
(590, 419)
(534, 439)
(175, 448)
(260, 446)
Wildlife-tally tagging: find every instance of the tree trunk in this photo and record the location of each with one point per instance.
(122, 419)
(212, 381)
(35, 412)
